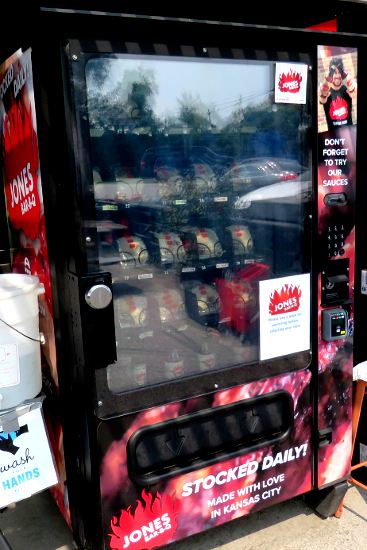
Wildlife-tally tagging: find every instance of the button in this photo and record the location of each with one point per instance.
(98, 296)
(342, 252)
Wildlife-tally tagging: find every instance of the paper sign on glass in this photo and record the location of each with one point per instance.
(284, 316)
(290, 83)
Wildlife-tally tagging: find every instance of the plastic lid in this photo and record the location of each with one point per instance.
(13, 284)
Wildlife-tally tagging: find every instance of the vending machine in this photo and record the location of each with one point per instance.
(199, 190)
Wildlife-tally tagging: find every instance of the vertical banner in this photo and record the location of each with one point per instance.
(25, 217)
(337, 122)
(23, 186)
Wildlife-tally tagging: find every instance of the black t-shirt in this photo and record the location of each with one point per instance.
(338, 108)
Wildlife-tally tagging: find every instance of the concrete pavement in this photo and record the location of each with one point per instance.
(35, 524)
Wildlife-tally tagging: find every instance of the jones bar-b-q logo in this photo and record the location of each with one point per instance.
(339, 109)
(285, 300)
(290, 82)
(151, 524)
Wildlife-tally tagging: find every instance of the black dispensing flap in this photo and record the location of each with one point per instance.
(335, 283)
(159, 452)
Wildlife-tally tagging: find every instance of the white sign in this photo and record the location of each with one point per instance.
(9, 365)
(26, 464)
(284, 316)
(290, 82)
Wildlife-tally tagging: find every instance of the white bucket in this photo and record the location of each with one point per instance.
(20, 352)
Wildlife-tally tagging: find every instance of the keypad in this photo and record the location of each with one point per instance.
(335, 240)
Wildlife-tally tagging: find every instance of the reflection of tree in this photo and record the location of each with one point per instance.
(138, 99)
(192, 112)
(267, 116)
(278, 124)
(120, 105)
(122, 101)
(98, 71)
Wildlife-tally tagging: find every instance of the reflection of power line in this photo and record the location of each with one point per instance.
(231, 103)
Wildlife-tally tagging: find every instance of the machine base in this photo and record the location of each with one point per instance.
(326, 502)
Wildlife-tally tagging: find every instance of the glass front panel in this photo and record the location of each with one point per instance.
(202, 186)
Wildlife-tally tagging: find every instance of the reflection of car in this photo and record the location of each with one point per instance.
(254, 173)
(296, 191)
(276, 214)
(205, 156)
(162, 161)
(168, 167)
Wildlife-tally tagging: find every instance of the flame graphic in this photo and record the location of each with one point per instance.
(290, 82)
(21, 165)
(151, 524)
(339, 109)
(285, 300)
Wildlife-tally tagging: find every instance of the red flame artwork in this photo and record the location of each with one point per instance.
(21, 169)
(290, 82)
(285, 300)
(339, 109)
(152, 523)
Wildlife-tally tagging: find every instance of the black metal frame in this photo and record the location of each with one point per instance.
(109, 404)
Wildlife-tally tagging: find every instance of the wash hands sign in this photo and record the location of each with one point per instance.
(26, 463)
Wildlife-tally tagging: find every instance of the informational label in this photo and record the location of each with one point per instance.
(9, 365)
(220, 199)
(26, 464)
(290, 83)
(284, 316)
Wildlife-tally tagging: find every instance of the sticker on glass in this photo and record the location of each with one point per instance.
(290, 83)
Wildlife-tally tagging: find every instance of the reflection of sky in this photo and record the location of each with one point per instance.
(223, 87)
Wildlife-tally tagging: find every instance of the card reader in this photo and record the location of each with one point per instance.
(334, 324)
